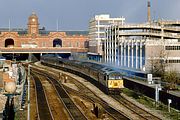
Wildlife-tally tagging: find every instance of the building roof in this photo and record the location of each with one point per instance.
(22, 31)
(76, 32)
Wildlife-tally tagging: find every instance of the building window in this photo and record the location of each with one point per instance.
(57, 42)
(77, 44)
(43, 44)
(22, 43)
(70, 44)
(173, 61)
(9, 42)
(172, 47)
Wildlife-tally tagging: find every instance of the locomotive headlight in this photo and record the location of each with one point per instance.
(110, 83)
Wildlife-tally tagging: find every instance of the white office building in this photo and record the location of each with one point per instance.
(97, 27)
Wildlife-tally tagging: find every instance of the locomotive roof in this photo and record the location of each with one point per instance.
(93, 65)
(100, 67)
(110, 71)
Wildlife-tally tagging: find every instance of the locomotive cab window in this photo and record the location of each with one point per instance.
(115, 76)
(115, 80)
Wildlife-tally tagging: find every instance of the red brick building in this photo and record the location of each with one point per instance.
(33, 37)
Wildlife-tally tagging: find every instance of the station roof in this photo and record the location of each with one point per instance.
(42, 31)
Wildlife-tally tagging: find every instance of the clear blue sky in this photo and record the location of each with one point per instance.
(75, 14)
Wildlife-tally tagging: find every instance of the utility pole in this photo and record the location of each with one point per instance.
(9, 25)
(57, 25)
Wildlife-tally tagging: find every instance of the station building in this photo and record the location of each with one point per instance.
(35, 37)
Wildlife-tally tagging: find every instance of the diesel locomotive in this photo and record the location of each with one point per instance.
(102, 76)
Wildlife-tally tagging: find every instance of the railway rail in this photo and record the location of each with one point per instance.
(141, 113)
(89, 95)
(44, 112)
(109, 110)
(84, 93)
(75, 113)
(71, 108)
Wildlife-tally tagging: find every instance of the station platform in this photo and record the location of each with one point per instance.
(143, 82)
(175, 93)
(151, 91)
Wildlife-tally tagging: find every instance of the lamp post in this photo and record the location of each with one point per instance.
(28, 116)
(169, 107)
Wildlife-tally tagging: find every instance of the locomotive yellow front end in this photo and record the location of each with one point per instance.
(115, 83)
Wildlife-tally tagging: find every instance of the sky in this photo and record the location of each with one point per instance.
(75, 14)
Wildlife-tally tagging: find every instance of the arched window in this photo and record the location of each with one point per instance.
(57, 43)
(9, 42)
(70, 44)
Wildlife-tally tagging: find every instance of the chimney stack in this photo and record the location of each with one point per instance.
(149, 12)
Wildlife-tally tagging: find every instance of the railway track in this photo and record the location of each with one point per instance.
(84, 93)
(71, 108)
(44, 112)
(141, 113)
(89, 95)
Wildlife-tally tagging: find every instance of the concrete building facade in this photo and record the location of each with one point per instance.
(137, 45)
(97, 27)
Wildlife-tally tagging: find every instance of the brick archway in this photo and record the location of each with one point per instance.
(9, 42)
(57, 42)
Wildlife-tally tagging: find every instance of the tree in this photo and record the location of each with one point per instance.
(158, 65)
(171, 77)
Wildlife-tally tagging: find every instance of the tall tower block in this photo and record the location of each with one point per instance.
(149, 11)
